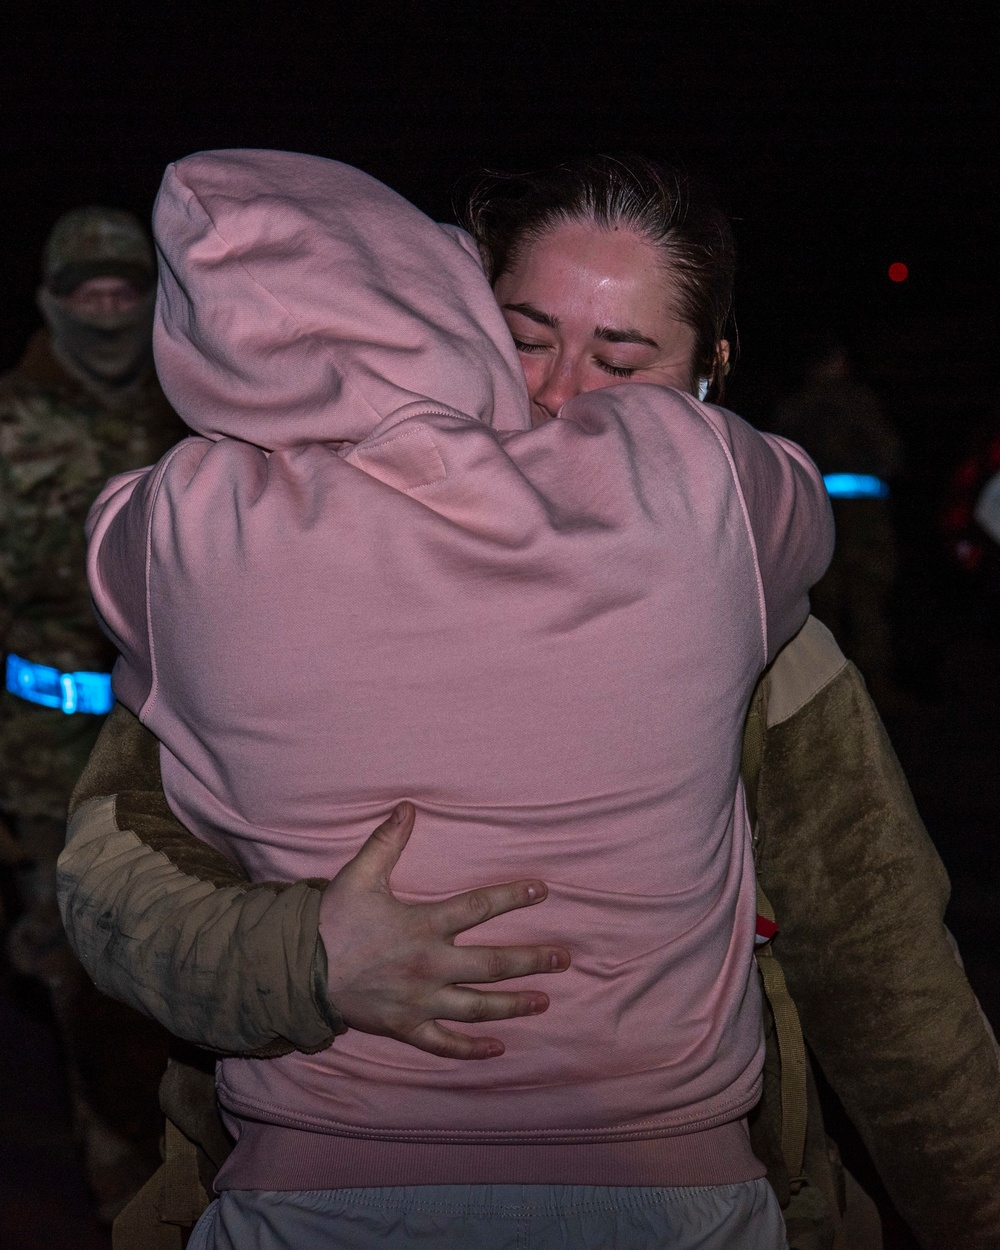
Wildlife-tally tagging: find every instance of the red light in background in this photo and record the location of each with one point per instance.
(898, 272)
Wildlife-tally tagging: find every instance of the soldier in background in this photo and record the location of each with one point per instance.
(840, 423)
(83, 404)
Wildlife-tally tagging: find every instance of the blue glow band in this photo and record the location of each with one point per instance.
(855, 486)
(67, 692)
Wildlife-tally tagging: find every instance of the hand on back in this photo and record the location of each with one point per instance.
(394, 967)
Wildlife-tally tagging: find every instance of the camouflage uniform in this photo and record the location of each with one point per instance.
(62, 434)
(59, 443)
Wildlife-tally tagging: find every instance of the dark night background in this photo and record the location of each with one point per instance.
(841, 138)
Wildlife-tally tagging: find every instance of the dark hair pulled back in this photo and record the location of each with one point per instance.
(506, 212)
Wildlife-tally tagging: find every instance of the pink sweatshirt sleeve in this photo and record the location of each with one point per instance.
(118, 546)
(790, 520)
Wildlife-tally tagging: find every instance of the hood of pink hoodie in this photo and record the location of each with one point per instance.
(272, 296)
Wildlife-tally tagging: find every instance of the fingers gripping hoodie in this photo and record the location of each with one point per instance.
(366, 578)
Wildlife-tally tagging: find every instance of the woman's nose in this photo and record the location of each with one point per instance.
(557, 387)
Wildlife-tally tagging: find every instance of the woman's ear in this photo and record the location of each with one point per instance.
(713, 388)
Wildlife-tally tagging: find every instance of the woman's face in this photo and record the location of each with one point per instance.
(591, 307)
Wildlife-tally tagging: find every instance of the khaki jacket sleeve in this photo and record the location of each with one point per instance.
(859, 894)
(165, 923)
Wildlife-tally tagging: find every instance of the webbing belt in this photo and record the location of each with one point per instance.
(69, 692)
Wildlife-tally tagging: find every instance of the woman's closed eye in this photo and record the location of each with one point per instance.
(616, 371)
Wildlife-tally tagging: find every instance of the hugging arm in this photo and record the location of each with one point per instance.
(167, 924)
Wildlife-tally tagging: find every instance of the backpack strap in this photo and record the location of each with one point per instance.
(791, 1047)
(752, 755)
(168, 1205)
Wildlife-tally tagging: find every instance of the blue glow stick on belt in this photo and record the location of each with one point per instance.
(855, 486)
(69, 692)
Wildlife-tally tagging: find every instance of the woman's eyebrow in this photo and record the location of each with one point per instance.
(534, 314)
(610, 335)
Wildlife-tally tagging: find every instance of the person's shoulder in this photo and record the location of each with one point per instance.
(664, 417)
(44, 438)
(36, 381)
(802, 668)
(37, 369)
(25, 418)
(17, 391)
(31, 419)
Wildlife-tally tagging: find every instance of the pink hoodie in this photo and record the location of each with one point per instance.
(369, 580)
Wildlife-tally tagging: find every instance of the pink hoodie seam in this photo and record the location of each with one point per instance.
(727, 452)
(360, 452)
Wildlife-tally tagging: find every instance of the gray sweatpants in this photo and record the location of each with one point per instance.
(496, 1217)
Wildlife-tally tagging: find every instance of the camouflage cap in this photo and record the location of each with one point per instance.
(97, 242)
